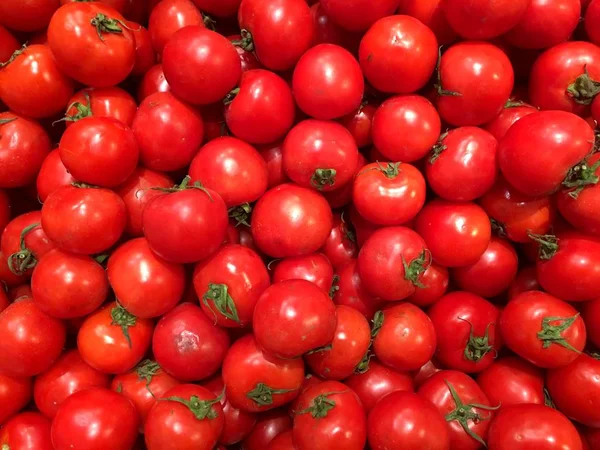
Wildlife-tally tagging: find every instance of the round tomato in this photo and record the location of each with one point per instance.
(52, 175)
(268, 426)
(526, 280)
(32, 15)
(349, 290)
(27, 431)
(144, 53)
(315, 268)
(15, 393)
(153, 81)
(170, 16)
(592, 16)
(8, 44)
(359, 123)
(435, 281)
(358, 15)
(590, 312)
(101, 102)
(283, 441)
(431, 13)
(511, 112)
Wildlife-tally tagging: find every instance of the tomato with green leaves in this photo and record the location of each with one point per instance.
(101, 102)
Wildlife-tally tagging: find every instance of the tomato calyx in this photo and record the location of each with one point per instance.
(14, 55)
(391, 170)
(580, 176)
(498, 228)
(548, 245)
(101, 259)
(322, 178)
(416, 268)
(105, 24)
(124, 319)
(438, 86)
(321, 405)
(364, 364)
(23, 260)
(377, 323)
(348, 229)
(246, 42)
(584, 88)
(477, 346)
(201, 409)
(463, 413)
(438, 148)
(209, 22)
(80, 185)
(5, 121)
(334, 286)
(231, 95)
(325, 348)
(221, 299)
(185, 184)
(83, 111)
(241, 214)
(548, 400)
(552, 334)
(146, 370)
(262, 394)
(512, 103)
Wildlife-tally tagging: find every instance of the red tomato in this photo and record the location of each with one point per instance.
(281, 30)
(245, 51)
(268, 426)
(23, 146)
(329, 415)
(592, 17)
(255, 382)
(408, 421)
(434, 282)
(15, 393)
(340, 247)
(27, 431)
(31, 15)
(315, 268)
(350, 291)
(52, 175)
(430, 12)
(526, 280)
(152, 81)
(261, 110)
(8, 44)
(32, 340)
(6, 276)
(108, 46)
(532, 427)
(591, 316)
(201, 66)
(144, 53)
(475, 79)
(83, 220)
(232, 168)
(94, 419)
(101, 102)
(219, 8)
(358, 15)
(5, 209)
(69, 374)
(542, 329)
(112, 340)
(328, 32)
(360, 123)
(170, 16)
(457, 234)
(394, 65)
(404, 337)
(283, 441)
(119, 5)
(512, 112)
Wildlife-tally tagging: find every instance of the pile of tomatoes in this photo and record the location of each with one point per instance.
(299, 224)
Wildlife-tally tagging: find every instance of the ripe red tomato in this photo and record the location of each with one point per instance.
(261, 110)
(168, 17)
(144, 53)
(431, 13)
(95, 418)
(201, 66)
(268, 426)
(511, 112)
(32, 15)
(435, 281)
(475, 79)
(359, 123)
(15, 393)
(592, 16)
(542, 329)
(590, 312)
(340, 247)
(52, 175)
(83, 220)
(255, 382)
(32, 340)
(283, 441)
(315, 268)
(245, 52)
(101, 102)
(219, 8)
(350, 291)
(94, 32)
(23, 146)
(358, 15)
(8, 44)
(69, 374)
(408, 421)
(394, 65)
(152, 81)
(28, 430)
(329, 414)
(526, 280)
(457, 234)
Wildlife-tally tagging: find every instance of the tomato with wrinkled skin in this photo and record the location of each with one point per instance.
(408, 421)
(83, 220)
(255, 382)
(431, 13)
(30, 15)
(340, 247)
(27, 431)
(590, 312)
(23, 146)
(170, 16)
(52, 175)
(268, 426)
(315, 268)
(15, 393)
(352, 292)
(542, 329)
(153, 81)
(360, 123)
(358, 15)
(101, 102)
(510, 114)
(435, 281)
(394, 65)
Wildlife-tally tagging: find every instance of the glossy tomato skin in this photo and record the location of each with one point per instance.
(101, 102)
(15, 393)
(248, 58)
(328, 82)
(344, 423)
(592, 15)
(360, 123)
(31, 75)
(315, 268)
(357, 15)
(545, 428)
(398, 67)
(590, 312)
(453, 245)
(27, 431)
(340, 247)
(263, 109)
(80, 416)
(27, 16)
(235, 274)
(52, 175)
(32, 340)
(84, 220)
(110, 56)
(526, 280)
(291, 220)
(431, 13)
(283, 441)
(152, 81)
(281, 30)
(26, 139)
(200, 65)
(169, 16)
(219, 8)
(231, 167)
(144, 53)
(267, 382)
(483, 76)
(435, 281)
(523, 318)
(406, 420)
(8, 44)
(507, 117)
(268, 426)
(352, 292)
(69, 374)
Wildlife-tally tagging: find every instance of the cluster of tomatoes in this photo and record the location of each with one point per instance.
(299, 225)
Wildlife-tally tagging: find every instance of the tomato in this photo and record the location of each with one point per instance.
(464, 406)
(283, 441)
(291, 220)
(360, 123)
(232, 168)
(94, 419)
(170, 16)
(255, 382)
(52, 175)
(475, 79)
(268, 426)
(119, 5)
(261, 110)
(340, 247)
(6, 276)
(247, 57)
(526, 280)
(431, 13)
(101, 102)
(27, 431)
(83, 220)
(229, 284)
(144, 386)
(112, 340)
(590, 312)
(404, 338)
(398, 66)
(31, 74)
(201, 66)
(350, 291)
(329, 414)
(315, 268)
(31, 15)
(532, 427)
(512, 112)
(592, 16)
(328, 82)
(15, 393)
(434, 281)
(23, 146)
(358, 15)
(281, 31)
(144, 53)
(542, 329)
(152, 81)
(408, 421)
(219, 8)
(193, 210)
(536, 31)
(96, 33)
(69, 374)
(8, 44)
(328, 32)
(457, 234)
